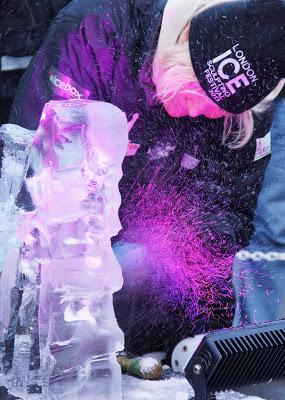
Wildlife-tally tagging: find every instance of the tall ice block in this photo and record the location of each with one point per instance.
(16, 143)
(69, 267)
(77, 198)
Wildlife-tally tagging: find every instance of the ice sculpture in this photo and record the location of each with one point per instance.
(67, 262)
(16, 143)
(16, 146)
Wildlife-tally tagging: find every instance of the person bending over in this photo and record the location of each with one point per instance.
(202, 87)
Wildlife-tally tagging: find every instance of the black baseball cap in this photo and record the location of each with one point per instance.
(237, 50)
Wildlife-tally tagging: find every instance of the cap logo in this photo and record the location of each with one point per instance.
(236, 57)
(232, 61)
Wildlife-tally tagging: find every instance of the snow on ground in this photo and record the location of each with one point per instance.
(174, 388)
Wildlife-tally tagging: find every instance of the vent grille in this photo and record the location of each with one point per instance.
(253, 358)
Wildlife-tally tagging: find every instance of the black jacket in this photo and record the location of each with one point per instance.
(23, 24)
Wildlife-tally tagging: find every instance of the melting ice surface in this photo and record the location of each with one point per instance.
(66, 334)
(16, 142)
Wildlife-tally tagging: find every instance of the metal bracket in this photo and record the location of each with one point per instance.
(199, 384)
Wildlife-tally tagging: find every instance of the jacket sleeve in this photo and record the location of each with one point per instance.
(230, 224)
(229, 208)
(75, 61)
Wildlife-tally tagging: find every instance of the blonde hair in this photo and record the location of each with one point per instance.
(173, 72)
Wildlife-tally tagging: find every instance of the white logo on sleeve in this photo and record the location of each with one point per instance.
(65, 87)
(189, 162)
(263, 147)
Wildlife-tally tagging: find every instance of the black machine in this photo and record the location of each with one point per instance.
(237, 358)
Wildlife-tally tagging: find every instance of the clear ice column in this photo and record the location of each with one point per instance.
(82, 145)
(16, 142)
